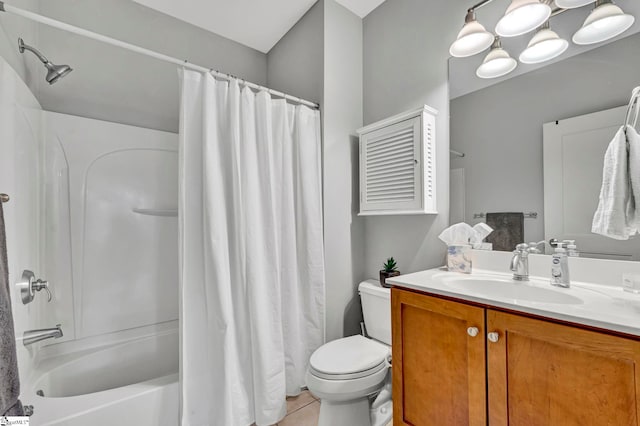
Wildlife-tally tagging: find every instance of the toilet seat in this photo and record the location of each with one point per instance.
(349, 376)
(349, 358)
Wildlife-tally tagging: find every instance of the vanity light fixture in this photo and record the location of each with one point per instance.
(604, 22)
(544, 46)
(523, 16)
(572, 4)
(472, 39)
(497, 63)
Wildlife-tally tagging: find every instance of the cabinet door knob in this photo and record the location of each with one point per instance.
(493, 337)
(472, 331)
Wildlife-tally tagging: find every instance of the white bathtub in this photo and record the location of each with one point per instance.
(130, 383)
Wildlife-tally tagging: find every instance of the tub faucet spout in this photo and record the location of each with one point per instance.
(32, 336)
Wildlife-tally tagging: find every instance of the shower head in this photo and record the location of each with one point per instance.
(55, 72)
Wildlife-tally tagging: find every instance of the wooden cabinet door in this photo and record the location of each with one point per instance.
(439, 369)
(541, 373)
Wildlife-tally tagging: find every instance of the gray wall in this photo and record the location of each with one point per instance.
(321, 59)
(344, 230)
(295, 64)
(500, 128)
(406, 46)
(12, 27)
(109, 83)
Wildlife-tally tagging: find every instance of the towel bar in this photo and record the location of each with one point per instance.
(530, 215)
(4, 198)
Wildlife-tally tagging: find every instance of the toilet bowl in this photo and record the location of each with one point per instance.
(352, 375)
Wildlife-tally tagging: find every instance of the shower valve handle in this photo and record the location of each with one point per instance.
(29, 285)
(39, 285)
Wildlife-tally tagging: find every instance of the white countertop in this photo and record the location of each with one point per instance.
(602, 306)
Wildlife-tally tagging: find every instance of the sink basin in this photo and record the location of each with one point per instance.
(513, 290)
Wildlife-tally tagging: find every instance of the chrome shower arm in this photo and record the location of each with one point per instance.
(22, 47)
(54, 72)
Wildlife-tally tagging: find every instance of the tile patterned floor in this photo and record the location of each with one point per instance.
(302, 410)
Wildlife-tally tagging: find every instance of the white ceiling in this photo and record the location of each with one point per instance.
(361, 7)
(258, 24)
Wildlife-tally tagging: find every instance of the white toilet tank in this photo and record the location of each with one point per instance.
(376, 307)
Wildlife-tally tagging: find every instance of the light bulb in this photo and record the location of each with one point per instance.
(604, 22)
(523, 16)
(497, 63)
(572, 4)
(472, 39)
(544, 46)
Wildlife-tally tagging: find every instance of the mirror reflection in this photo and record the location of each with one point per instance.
(535, 143)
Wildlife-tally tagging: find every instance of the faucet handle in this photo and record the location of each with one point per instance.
(39, 285)
(533, 247)
(521, 248)
(29, 285)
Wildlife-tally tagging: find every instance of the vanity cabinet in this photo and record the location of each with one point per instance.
(543, 373)
(439, 361)
(516, 370)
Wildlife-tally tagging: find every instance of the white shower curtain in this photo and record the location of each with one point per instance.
(251, 251)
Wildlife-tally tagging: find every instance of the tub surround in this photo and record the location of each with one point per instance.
(97, 175)
(94, 385)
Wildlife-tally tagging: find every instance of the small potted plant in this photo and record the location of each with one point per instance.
(390, 269)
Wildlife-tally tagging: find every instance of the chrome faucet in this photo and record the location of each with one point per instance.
(32, 336)
(520, 263)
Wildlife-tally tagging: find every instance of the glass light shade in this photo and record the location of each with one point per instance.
(572, 4)
(472, 39)
(496, 64)
(603, 23)
(523, 16)
(544, 46)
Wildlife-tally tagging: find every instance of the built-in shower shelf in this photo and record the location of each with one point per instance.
(157, 212)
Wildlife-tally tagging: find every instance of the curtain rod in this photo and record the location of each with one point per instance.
(7, 8)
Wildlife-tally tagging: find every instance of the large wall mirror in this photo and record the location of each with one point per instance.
(508, 166)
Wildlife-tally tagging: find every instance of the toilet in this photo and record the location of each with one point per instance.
(352, 376)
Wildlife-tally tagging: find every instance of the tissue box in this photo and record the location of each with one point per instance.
(459, 258)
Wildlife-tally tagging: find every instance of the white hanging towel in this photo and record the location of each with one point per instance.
(617, 215)
(634, 177)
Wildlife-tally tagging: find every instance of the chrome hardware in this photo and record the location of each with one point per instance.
(28, 286)
(28, 410)
(4, 198)
(533, 247)
(32, 336)
(472, 331)
(530, 215)
(493, 337)
(520, 263)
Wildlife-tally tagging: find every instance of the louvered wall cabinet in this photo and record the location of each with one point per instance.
(398, 164)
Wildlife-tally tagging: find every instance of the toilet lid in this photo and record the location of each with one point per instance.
(350, 355)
